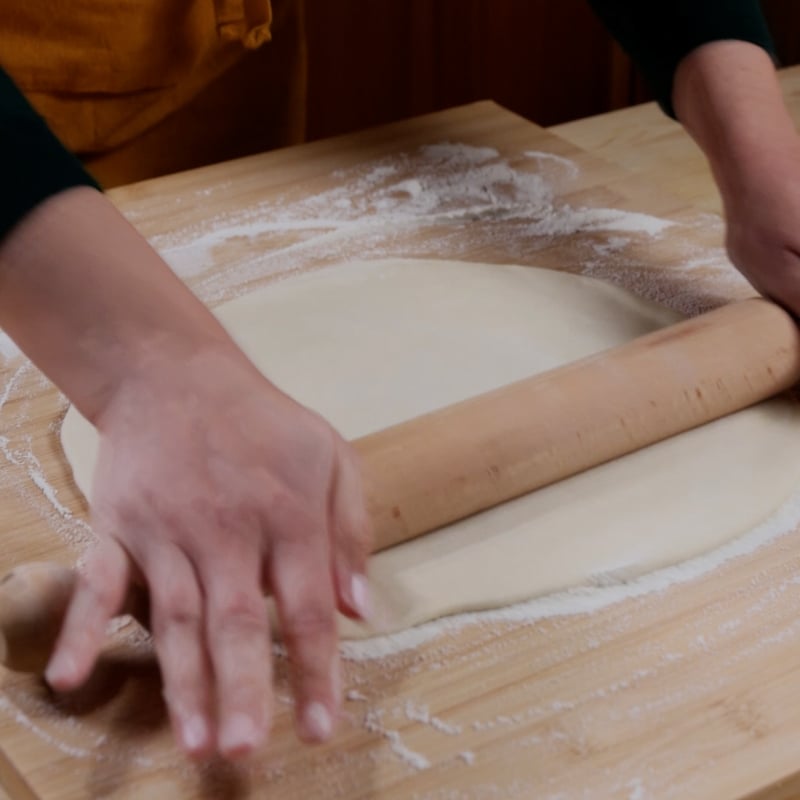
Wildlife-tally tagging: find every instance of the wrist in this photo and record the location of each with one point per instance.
(91, 303)
(179, 378)
(156, 364)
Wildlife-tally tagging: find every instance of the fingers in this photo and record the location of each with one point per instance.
(99, 593)
(300, 576)
(352, 535)
(237, 632)
(782, 284)
(176, 604)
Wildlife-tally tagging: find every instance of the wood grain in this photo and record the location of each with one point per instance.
(646, 142)
(686, 692)
(456, 461)
(427, 472)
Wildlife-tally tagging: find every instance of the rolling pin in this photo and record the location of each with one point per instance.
(448, 464)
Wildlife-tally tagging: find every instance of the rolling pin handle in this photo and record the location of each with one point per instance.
(428, 472)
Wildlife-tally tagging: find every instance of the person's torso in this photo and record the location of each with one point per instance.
(102, 71)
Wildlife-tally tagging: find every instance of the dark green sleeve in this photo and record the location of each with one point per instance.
(34, 165)
(659, 33)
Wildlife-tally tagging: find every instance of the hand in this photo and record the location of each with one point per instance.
(762, 213)
(727, 96)
(212, 486)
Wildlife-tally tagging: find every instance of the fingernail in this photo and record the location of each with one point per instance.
(317, 722)
(239, 734)
(61, 669)
(359, 591)
(195, 734)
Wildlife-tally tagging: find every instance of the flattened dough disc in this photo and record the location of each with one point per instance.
(369, 344)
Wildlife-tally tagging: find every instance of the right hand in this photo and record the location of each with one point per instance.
(749, 138)
(762, 211)
(212, 487)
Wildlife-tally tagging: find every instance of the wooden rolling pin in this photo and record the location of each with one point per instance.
(451, 463)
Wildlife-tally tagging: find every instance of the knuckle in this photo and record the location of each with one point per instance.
(366, 543)
(126, 512)
(364, 533)
(318, 445)
(198, 506)
(180, 607)
(174, 519)
(350, 456)
(226, 511)
(357, 535)
(232, 518)
(353, 536)
(284, 507)
(308, 623)
(242, 610)
(103, 593)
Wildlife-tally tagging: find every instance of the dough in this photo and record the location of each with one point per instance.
(373, 343)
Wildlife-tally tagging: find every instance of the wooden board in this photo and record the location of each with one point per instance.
(685, 692)
(654, 147)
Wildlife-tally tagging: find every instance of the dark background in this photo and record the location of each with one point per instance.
(374, 61)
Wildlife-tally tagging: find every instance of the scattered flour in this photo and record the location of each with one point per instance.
(457, 200)
(463, 196)
(61, 739)
(569, 167)
(636, 789)
(373, 724)
(23, 472)
(25, 721)
(8, 348)
(13, 381)
(422, 714)
(583, 599)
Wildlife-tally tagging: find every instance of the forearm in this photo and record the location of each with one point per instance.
(659, 34)
(728, 98)
(90, 302)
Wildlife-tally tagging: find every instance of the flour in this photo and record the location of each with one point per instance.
(422, 714)
(23, 719)
(582, 600)
(22, 472)
(8, 348)
(373, 724)
(464, 196)
(12, 382)
(66, 730)
(456, 200)
(569, 168)
(442, 186)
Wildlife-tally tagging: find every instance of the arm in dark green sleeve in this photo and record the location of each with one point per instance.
(659, 33)
(34, 165)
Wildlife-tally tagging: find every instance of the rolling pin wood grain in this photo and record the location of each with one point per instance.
(462, 459)
(470, 456)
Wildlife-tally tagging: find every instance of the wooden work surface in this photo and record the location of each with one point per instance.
(687, 692)
(646, 142)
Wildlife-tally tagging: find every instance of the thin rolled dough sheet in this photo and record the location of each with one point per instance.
(370, 344)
